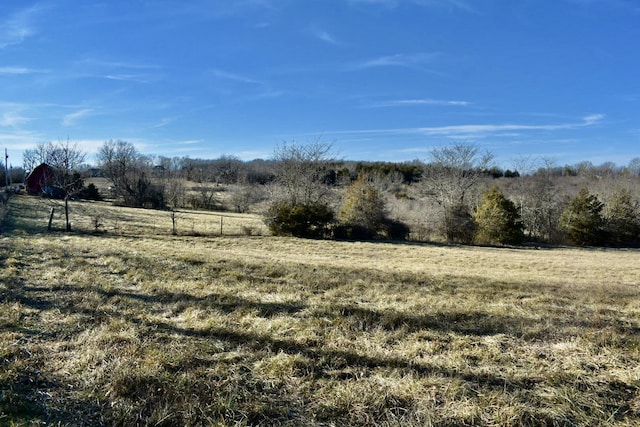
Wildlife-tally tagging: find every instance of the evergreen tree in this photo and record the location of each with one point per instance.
(458, 225)
(363, 215)
(363, 207)
(622, 218)
(582, 219)
(308, 221)
(497, 219)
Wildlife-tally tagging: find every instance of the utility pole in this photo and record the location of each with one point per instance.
(6, 168)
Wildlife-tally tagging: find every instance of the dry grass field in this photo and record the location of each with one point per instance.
(135, 326)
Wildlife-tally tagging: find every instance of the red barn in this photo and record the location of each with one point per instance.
(41, 176)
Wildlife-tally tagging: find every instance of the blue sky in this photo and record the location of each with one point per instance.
(384, 80)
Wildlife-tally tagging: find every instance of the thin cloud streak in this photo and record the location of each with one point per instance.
(234, 77)
(391, 4)
(325, 37)
(17, 28)
(12, 119)
(21, 140)
(71, 119)
(126, 71)
(462, 5)
(117, 64)
(136, 78)
(398, 60)
(471, 130)
(19, 71)
(164, 122)
(419, 102)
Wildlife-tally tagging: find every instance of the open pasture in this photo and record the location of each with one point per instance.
(146, 328)
(31, 215)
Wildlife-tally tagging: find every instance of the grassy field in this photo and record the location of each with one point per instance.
(125, 327)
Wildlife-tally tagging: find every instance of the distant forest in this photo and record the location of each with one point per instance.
(458, 195)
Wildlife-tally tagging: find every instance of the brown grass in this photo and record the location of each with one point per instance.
(151, 329)
(31, 215)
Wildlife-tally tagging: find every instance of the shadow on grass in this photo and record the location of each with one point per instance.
(26, 395)
(71, 300)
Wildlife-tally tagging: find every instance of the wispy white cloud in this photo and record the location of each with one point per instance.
(472, 130)
(90, 146)
(181, 13)
(593, 118)
(101, 63)
(21, 140)
(452, 4)
(129, 71)
(12, 115)
(419, 102)
(234, 77)
(414, 60)
(164, 122)
(266, 94)
(138, 78)
(12, 119)
(325, 36)
(71, 119)
(19, 26)
(459, 4)
(19, 71)
(481, 130)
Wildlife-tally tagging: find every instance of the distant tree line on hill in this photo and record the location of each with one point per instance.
(457, 195)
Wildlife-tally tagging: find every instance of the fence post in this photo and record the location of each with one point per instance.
(50, 219)
(221, 221)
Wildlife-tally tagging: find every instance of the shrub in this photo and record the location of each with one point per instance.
(396, 230)
(90, 192)
(353, 232)
(497, 219)
(311, 221)
(458, 224)
(363, 215)
(622, 219)
(582, 220)
(363, 206)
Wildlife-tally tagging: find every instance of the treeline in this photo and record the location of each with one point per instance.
(457, 195)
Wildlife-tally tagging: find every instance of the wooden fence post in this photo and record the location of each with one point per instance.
(50, 219)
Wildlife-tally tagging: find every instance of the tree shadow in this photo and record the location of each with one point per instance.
(326, 361)
(466, 322)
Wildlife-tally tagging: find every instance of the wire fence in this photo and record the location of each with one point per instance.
(103, 217)
(220, 224)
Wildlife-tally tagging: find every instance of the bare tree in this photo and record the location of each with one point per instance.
(300, 170)
(173, 187)
(130, 173)
(227, 169)
(33, 157)
(634, 167)
(454, 170)
(538, 198)
(301, 209)
(206, 197)
(449, 178)
(65, 159)
(244, 195)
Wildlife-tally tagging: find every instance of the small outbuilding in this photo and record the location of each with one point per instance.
(41, 177)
